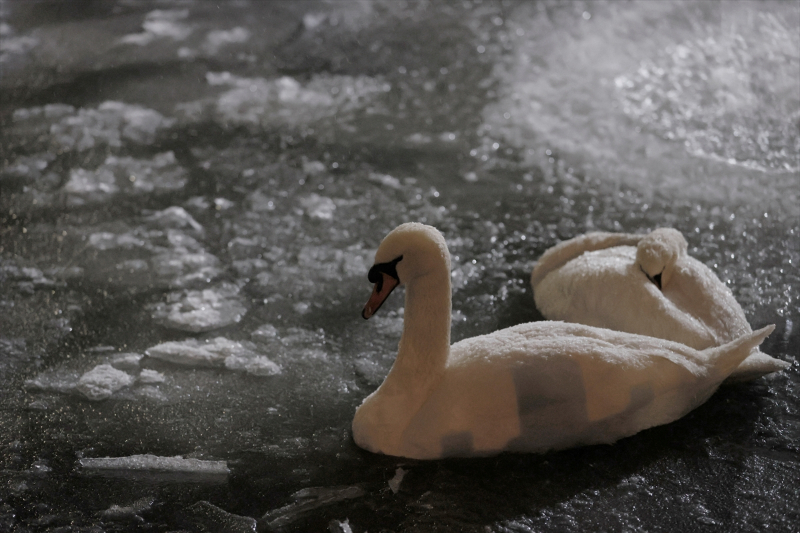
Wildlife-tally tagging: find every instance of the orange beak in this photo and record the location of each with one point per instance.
(380, 292)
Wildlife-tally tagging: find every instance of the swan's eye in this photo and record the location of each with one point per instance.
(389, 268)
(657, 280)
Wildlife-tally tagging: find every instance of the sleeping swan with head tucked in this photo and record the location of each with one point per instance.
(644, 284)
(529, 388)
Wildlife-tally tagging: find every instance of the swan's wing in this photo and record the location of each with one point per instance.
(606, 289)
(696, 291)
(561, 253)
(548, 386)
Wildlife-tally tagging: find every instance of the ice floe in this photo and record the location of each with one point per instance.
(155, 463)
(161, 23)
(175, 217)
(285, 100)
(125, 175)
(109, 124)
(217, 352)
(14, 45)
(216, 39)
(131, 512)
(201, 310)
(110, 376)
(103, 381)
(26, 279)
(309, 499)
(318, 207)
(206, 516)
(163, 251)
(151, 376)
(295, 344)
(394, 483)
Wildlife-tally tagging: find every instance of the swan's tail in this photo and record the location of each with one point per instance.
(756, 365)
(565, 251)
(723, 360)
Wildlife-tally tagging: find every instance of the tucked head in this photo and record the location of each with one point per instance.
(409, 251)
(658, 252)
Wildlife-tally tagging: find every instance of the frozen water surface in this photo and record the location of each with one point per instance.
(191, 195)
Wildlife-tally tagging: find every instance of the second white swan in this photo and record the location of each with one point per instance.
(645, 284)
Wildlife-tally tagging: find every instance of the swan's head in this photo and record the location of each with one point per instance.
(409, 251)
(658, 252)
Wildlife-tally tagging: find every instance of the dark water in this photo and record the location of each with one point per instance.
(218, 175)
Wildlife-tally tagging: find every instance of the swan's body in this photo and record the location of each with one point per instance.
(644, 284)
(529, 388)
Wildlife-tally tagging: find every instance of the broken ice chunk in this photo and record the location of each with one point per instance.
(258, 365)
(318, 207)
(182, 268)
(217, 352)
(266, 332)
(125, 175)
(155, 463)
(175, 217)
(82, 181)
(151, 376)
(395, 482)
(202, 310)
(308, 500)
(160, 23)
(108, 124)
(193, 352)
(216, 39)
(103, 381)
(260, 101)
(128, 512)
(126, 361)
(58, 380)
(386, 180)
(206, 516)
(336, 526)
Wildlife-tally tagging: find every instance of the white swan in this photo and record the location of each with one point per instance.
(529, 388)
(644, 284)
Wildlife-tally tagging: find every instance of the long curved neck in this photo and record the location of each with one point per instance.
(425, 343)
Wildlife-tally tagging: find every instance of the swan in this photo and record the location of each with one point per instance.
(529, 388)
(644, 284)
